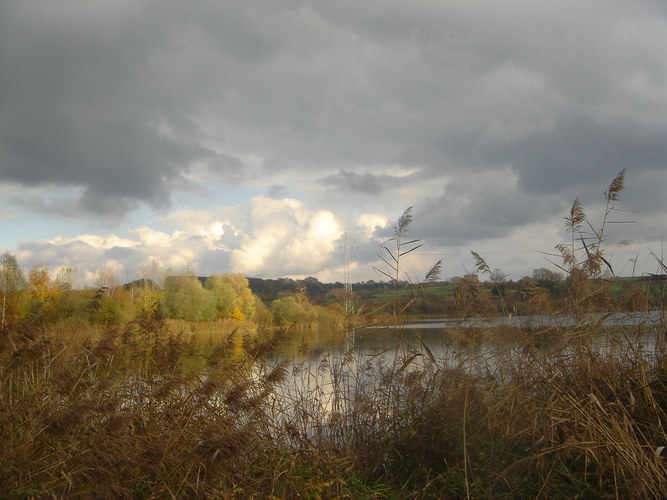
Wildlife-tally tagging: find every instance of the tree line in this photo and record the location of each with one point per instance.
(285, 301)
(176, 295)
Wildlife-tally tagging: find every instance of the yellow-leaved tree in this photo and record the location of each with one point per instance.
(43, 289)
(233, 296)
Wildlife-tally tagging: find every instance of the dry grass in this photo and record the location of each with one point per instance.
(142, 412)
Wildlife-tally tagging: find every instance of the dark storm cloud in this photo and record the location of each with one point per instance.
(121, 99)
(487, 210)
(277, 191)
(351, 182)
(65, 207)
(583, 151)
(225, 165)
(89, 100)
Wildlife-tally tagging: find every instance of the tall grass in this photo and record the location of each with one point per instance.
(140, 412)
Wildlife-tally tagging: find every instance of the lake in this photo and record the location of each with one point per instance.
(440, 334)
(328, 370)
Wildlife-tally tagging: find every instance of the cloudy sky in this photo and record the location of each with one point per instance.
(250, 135)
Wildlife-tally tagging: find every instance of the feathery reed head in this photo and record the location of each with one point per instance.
(404, 221)
(576, 218)
(616, 186)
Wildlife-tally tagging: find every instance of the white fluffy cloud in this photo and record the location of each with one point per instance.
(273, 238)
(286, 238)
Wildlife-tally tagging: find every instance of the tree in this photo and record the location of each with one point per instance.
(544, 274)
(148, 296)
(287, 310)
(66, 278)
(497, 276)
(185, 298)
(107, 308)
(263, 315)
(42, 288)
(245, 300)
(107, 277)
(471, 277)
(548, 279)
(225, 296)
(12, 281)
(343, 296)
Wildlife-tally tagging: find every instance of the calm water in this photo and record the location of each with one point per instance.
(436, 335)
(326, 369)
(561, 320)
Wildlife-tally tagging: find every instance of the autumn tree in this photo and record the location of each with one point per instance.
(287, 310)
(225, 296)
(245, 300)
(43, 289)
(184, 297)
(64, 301)
(12, 282)
(147, 290)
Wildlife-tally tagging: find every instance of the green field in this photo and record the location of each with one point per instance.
(446, 289)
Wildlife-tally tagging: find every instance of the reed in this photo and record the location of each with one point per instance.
(131, 413)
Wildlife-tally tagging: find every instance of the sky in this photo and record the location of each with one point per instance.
(250, 136)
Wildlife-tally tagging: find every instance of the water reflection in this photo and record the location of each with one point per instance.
(541, 321)
(329, 374)
(478, 335)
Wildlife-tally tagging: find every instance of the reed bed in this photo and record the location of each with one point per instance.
(141, 412)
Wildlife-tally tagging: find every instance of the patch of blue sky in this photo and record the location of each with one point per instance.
(34, 227)
(143, 216)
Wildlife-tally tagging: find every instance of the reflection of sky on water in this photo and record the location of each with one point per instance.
(563, 320)
(325, 378)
